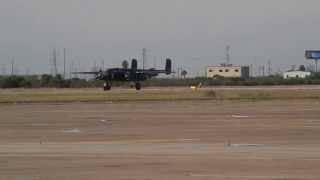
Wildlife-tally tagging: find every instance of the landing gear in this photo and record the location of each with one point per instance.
(132, 85)
(107, 86)
(138, 86)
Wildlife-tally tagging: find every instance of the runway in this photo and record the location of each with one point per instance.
(225, 140)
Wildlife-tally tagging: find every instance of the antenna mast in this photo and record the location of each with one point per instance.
(228, 55)
(144, 57)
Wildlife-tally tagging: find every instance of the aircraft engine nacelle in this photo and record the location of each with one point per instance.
(134, 64)
(168, 66)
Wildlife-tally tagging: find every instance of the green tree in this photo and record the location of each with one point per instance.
(184, 73)
(302, 68)
(125, 64)
(45, 80)
(13, 82)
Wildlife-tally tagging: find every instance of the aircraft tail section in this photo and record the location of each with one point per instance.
(168, 66)
(134, 64)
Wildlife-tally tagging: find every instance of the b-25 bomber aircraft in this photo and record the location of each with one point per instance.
(132, 74)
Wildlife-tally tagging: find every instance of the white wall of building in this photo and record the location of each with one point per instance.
(224, 71)
(227, 71)
(296, 74)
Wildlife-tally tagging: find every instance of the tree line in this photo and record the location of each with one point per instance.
(44, 81)
(49, 81)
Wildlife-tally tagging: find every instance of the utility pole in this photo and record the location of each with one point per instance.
(173, 74)
(144, 57)
(228, 55)
(269, 68)
(54, 62)
(78, 69)
(75, 68)
(64, 63)
(71, 70)
(12, 67)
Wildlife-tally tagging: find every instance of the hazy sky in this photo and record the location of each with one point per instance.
(194, 33)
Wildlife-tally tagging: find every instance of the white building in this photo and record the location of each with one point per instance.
(228, 71)
(296, 74)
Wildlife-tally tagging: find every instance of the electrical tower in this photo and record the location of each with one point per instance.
(54, 63)
(228, 55)
(64, 63)
(227, 58)
(144, 58)
(12, 67)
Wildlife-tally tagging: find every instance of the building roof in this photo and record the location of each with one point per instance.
(303, 72)
(224, 66)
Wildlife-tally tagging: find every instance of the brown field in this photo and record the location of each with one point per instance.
(232, 134)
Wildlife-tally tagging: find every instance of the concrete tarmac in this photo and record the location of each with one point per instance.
(227, 140)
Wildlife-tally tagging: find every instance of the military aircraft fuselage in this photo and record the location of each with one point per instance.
(132, 74)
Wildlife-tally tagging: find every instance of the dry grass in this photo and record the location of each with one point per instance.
(163, 94)
(269, 94)
(94, 95)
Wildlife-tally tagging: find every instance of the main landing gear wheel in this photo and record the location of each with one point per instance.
(107, 86)
(138, 86)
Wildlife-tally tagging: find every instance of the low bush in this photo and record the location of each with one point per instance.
(48, 81)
